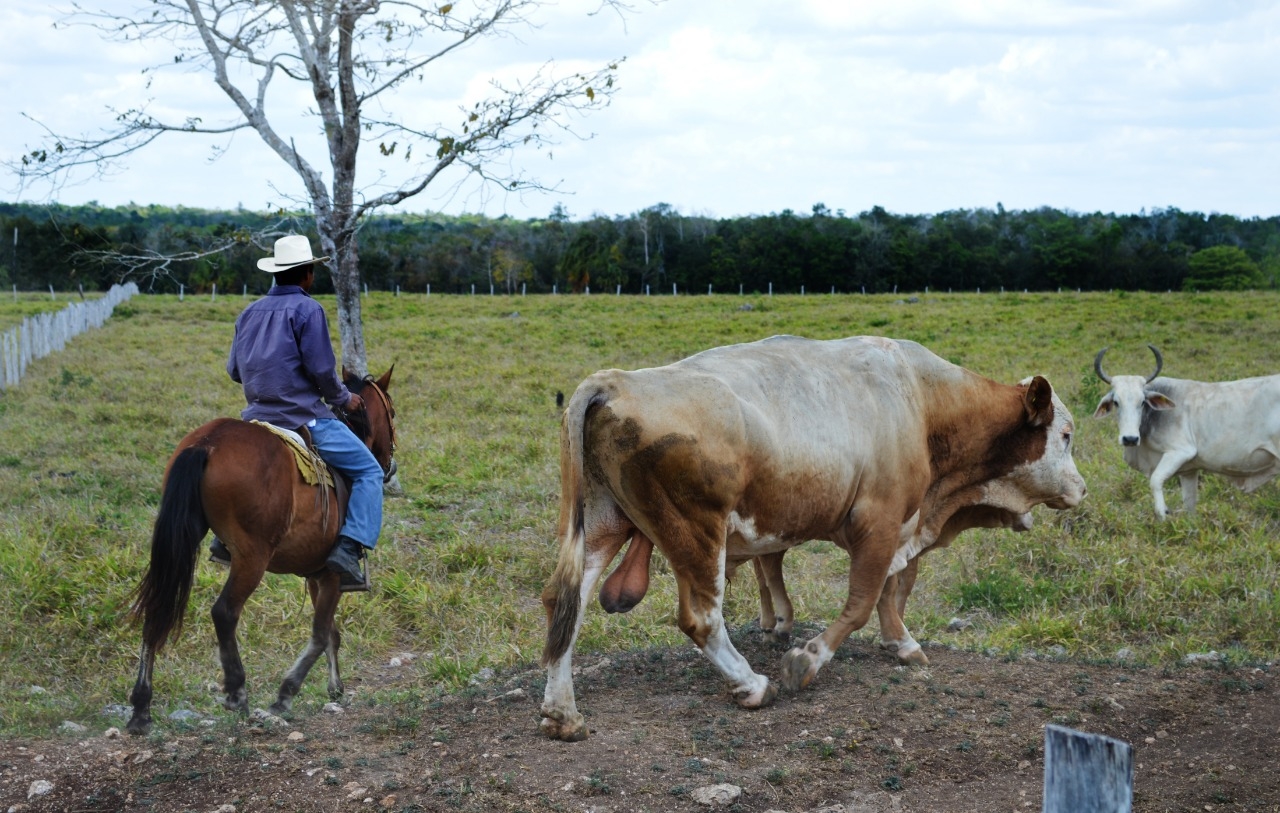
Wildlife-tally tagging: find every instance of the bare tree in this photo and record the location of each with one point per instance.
(351, 56)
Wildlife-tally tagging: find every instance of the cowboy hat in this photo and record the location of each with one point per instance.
(290, 251)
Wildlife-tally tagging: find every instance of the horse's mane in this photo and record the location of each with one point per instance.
(358, 421)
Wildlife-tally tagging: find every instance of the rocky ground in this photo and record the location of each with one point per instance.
(966, 734)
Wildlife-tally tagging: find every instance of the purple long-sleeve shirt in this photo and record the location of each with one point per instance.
(283, 358)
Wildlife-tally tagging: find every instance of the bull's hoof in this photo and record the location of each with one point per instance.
(748, 699)
(913, 657)
(798, 669)
(569, 728)
(139, 724)
(238, 702)
(777, 636)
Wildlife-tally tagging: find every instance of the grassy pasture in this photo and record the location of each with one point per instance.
(466, 549)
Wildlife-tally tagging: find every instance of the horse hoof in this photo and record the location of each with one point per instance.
(570, 730)
(798, 670)
(139, 725)
(280, 707)
(776, 636)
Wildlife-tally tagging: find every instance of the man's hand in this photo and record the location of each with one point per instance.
(355, 404)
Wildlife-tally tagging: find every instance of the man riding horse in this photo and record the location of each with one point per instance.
(283, 358)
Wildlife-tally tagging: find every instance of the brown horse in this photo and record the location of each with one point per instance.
(240, 480)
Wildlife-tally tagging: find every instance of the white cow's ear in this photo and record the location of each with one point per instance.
(1105, 406)
(1158, 400)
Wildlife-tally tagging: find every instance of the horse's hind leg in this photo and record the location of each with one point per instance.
(244, 579)
(325, 593)
(140, 697)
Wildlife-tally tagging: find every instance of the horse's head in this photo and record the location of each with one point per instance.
(376, 423)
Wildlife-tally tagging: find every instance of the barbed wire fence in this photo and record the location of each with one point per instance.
(46, 333)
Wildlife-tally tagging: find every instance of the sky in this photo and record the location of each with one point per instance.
(731, 108)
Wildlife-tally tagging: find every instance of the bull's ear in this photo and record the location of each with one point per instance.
(1038, 401)
(1105, 406)
(1158, 400)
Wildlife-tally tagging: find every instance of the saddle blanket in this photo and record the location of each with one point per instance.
(310, 466)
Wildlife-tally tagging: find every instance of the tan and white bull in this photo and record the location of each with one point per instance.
(747, 450)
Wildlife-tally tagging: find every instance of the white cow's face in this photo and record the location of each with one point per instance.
(1128, 397)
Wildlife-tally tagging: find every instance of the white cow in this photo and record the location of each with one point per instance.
(1172, 426)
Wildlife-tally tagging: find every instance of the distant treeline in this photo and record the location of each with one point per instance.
(876, 251)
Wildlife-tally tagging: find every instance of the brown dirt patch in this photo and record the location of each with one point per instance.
(964, 735)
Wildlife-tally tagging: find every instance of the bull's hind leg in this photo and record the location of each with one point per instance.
(325, 593)
(245, 575)
(891, 608)
(700, 579)
(603, 539)
(776, 613)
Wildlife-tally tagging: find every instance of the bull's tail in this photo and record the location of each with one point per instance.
(562, 596)
(161, 599)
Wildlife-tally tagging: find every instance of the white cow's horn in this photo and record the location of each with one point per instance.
(1097, 365)
(1159, 363)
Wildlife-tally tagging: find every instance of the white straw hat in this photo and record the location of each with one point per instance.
(290, 251)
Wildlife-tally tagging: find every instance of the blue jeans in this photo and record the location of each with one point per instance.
(340, 448)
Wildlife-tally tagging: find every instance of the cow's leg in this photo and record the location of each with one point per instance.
(1190, 490)
(1166, 468)
(776, 613)
(700, 583)
(871, 550)
(892, 608)
(560, 717)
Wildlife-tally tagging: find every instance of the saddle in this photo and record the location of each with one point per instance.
(312, 467)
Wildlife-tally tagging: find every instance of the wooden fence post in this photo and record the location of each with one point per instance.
(1086, 772)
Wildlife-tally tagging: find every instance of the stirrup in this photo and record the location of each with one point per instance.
(360, 587)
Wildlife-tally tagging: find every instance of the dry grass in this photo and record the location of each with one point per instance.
(466, 549)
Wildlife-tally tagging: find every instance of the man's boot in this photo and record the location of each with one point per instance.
(218, 553)
(344, 560)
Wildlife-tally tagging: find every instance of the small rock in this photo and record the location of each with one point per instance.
(513, 695)
(184, 715)
(112, 733)
(357, 794)
(332, 708)
(483, 676)
(69, 727)
(1193, 658)
(1114, 704)
(387, 802)
(267, 718)
(1124, 654)
(225, 809)
(37, 690)
(959, 624)
(717, 795)
(142, 756)
(40, 787)
(297, 736)
(1057, 651)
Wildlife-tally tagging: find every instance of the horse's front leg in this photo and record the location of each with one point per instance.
(325, 593)
(243, 580)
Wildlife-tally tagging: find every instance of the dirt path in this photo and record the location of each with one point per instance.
(964, 735)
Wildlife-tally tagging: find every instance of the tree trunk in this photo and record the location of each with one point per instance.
(345, 270)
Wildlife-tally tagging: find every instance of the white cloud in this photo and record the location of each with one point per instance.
(741, 106)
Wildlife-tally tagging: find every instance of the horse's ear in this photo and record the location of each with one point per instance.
(384, 383)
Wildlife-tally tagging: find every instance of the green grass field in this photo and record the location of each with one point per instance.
(466, 549)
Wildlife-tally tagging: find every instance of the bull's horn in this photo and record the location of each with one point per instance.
(1159, 363)
(1097, 365)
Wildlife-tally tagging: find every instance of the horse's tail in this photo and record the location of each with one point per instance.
(562, 595)
(161, 598)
